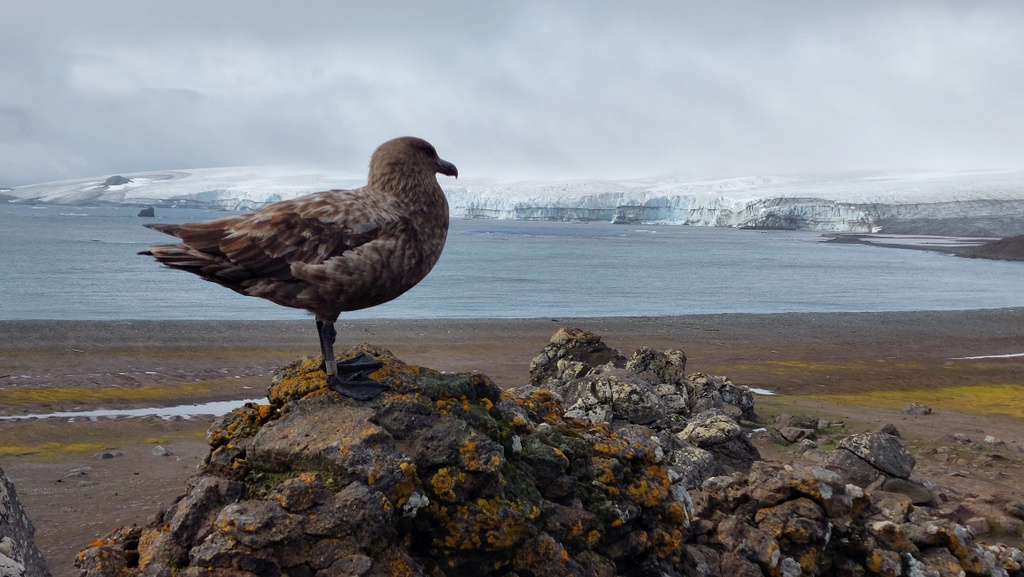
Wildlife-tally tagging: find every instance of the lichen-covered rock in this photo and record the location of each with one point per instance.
(719, 434)
(715, 392)
(570, 354)
(612, 394)
(663, 367)
(650, 387)
(866, 457)
(882, 451)
(447, 475)
(795, 434)
(850, 466)
(19, 555)
(440, 475)
(693, 465)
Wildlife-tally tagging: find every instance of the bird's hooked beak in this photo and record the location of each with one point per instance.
(446, 168)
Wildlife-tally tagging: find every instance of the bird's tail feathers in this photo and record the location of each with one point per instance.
(170, 229)
(180, 257)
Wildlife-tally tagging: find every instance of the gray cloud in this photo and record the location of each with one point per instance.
(510, 90)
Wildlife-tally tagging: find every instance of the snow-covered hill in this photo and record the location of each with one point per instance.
(978, 203)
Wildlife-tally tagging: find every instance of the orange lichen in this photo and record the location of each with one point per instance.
(608, 471)
(146, 545)
(543, 405)
(647, 493)
(492, 524)
(668, 543)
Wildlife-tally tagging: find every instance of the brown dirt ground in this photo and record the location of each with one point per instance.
(74, 495)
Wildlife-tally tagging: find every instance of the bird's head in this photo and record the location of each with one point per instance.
(407, 161)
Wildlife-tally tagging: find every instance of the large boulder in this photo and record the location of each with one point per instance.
(720, 435)
(19, 556)
(865, 457)
(571, 353)
(650, 387)
(444, 474)
(613, 394)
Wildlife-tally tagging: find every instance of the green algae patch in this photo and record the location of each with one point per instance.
(1000, 399)
(55, 440)
(91, 396)
(50, 448)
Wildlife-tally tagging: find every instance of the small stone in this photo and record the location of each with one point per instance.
(990, 440)
(796, 434)
(961, 438)
(917, 409)
(977, 525)
(890, 429)
(160, 451)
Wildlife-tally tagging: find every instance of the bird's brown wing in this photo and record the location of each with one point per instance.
(264, 244)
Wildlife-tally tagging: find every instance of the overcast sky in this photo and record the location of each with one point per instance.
(510, 90)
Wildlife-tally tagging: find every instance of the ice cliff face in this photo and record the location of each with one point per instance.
(964, 204)
(980, 203)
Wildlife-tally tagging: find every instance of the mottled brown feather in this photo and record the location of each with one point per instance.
(329, 251)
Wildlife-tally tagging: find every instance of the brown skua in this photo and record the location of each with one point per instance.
(332, 251)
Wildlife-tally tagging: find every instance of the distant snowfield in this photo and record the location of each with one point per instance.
(972, 203)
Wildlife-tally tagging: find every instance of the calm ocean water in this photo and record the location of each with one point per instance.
(79, 263)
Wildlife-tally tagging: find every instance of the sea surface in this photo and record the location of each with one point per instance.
(78, 263)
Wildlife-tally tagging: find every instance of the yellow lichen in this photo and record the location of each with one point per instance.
(491, 524)
(474, 461)
(410, 480)
(444, 482)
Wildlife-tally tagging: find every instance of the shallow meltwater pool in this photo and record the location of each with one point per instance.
(177, 411)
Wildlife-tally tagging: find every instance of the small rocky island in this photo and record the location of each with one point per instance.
(603, 465)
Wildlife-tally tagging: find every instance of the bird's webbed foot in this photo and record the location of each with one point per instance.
(352, 380)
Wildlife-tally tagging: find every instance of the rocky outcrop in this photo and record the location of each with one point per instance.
(19, 556)
(603, 466)
(1010, 248)
(444, 474)
(116, 180)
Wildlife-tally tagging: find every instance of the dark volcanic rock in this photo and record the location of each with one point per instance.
(882, 451)
(148, 212)
(1010, 248)
(446, 475)
(116, 180)
(430, 478)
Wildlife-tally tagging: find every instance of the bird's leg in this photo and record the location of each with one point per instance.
(348, 377)
(327, 335)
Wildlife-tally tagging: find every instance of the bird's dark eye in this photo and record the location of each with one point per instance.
(427, 148)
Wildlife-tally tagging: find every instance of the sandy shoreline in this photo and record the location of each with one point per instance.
(48, 366)
(79, 353)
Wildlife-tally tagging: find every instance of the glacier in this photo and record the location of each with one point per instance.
(984, 203)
